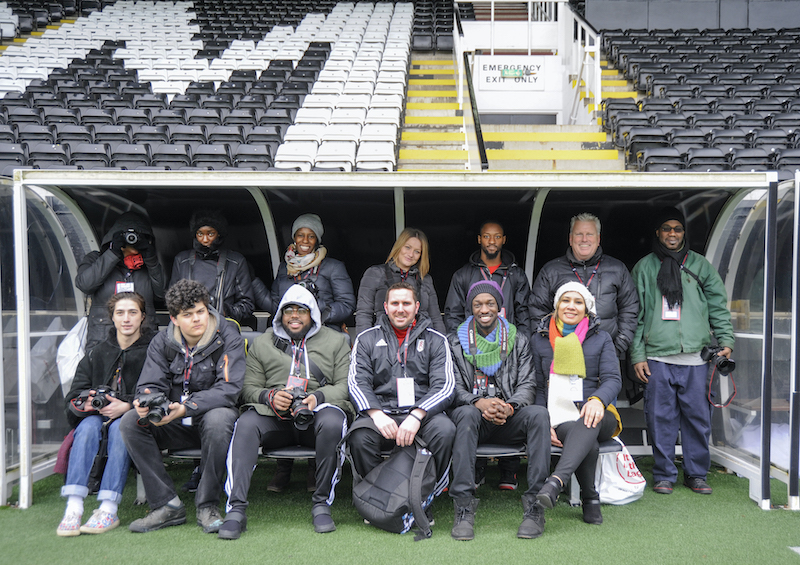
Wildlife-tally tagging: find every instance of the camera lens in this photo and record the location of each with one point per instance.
(131, 238)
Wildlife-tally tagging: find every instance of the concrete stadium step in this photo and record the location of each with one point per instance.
(432, 135)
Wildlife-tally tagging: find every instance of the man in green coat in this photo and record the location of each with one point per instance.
(295, 393)
(682, 303)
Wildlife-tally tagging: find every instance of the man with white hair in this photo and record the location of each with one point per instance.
(606, 278)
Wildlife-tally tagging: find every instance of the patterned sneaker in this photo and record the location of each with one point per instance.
(209, 519)
(70, 525)
(100, 522)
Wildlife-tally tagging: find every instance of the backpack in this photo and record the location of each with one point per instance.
(394, 495)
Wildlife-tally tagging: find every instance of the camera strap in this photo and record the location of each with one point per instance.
(711, 382)
(313, 368)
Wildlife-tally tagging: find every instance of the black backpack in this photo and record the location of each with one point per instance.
(394, 495)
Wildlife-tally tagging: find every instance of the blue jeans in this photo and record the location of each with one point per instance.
(81, 457)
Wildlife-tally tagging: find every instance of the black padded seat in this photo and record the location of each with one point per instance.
(130, 156)
(73, 134)
(36, 133)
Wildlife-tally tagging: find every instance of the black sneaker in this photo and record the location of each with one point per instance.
(508, 481)
(194, 480)
(698, 485)
(283, 475)
(232, 529)
(480, 472)
(663, 487)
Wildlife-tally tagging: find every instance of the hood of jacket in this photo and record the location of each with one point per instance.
(214, 324)
(129, 220)
(507, 259)
(297, 295)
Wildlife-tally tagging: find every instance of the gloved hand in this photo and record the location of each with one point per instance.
(117, 243)
(145, 248)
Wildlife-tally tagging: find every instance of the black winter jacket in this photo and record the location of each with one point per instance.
(100, 271)
(217, 367)
(509, 276)
(334, 292)
(372, 294)
(617, 302)
(374, 368)
(602, 366)
(237, 291)
(516, 377)
(99, 367)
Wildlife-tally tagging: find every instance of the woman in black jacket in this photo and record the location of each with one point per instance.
(223, 272)
(408, 261)
(578, 379)
(126, 262)
(306, 263)
(101, 392)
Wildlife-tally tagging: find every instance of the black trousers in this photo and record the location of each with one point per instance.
(580, 452)
(530, 425)
(253, 430)
(366, 444)
(211, 432)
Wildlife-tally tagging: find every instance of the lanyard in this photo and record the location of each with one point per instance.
(306, 274)
(297, 352)
(594, 272)
(485, 270)
(188, 358)
(404, 360)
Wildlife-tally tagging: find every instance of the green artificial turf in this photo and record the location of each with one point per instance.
(682, 528)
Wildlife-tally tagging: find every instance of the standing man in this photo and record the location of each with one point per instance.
(401, 381)
(683, 301)
(198, 364)
(492, 263)
(297, 358)
(495, 392)
(606, 278)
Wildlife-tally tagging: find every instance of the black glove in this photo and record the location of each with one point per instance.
(144, 247)
(117, 243)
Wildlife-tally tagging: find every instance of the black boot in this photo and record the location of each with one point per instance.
(464, 519)
(591, 511)
(548, 496)
(532, 525)
(283, 475)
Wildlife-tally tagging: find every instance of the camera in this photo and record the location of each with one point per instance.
(99, 400)
(723, 364)
(301, 415)
(158, 403)
(131, 237)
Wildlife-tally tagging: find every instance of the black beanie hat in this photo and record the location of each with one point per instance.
(669, 213)
(210, 218)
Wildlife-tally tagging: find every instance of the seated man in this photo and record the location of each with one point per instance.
(494, 404)
(298, 355)
(197, 363)
(401, 381)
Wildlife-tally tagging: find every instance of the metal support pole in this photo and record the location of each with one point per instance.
(23, 345)
(399, 211)
(4, 490)
(770, 236)
(794, 407)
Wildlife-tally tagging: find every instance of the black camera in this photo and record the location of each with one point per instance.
(131, 237)
(99, 400)
(158, 403)
(301, 415)
(724, 365)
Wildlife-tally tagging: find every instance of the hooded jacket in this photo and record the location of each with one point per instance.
(268, 366)
(602, 380)
(515, 378)
(509, 276)
(372, 294)
(99, 368)
(375, 367)
(100, 271)
(237, 291)
(612, 288)
(214, 369)
(334, 294)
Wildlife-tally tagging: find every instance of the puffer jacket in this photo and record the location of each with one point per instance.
(215, 367)
(374, 368)
(511, 278)
(237, 291)
(515, 378)
(372, 293)
(602, 380)
(100, 271)
(268, 366)
(617, 302)
(704, 309)
(334, 290)
(99, 368)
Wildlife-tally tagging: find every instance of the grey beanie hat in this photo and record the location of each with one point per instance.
(310, 221)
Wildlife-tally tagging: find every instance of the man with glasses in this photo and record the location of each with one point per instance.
(295, 392)
(683, 301)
